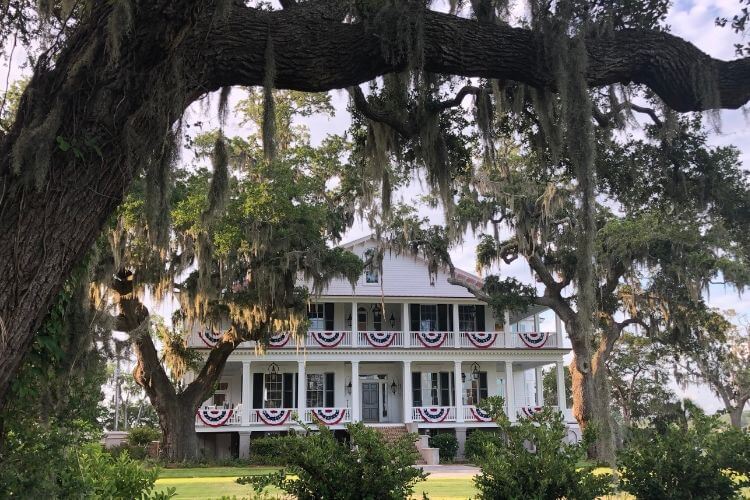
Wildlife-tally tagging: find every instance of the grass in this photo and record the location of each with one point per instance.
(215, 482)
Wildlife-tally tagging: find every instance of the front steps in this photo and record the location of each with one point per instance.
(392, 433)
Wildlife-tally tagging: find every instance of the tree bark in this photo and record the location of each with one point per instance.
(116, 113)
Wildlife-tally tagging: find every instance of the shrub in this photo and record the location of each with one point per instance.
(319, 466)
(447, 444)
(531, 460)
(477, 442)
(142, 436)
(685, 462)
(133, 451)
(264, 451)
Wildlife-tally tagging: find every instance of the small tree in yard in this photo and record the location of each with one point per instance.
(321, 467)
(534, 462)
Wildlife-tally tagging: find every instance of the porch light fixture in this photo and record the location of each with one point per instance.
(475, 371)
(392, 321)
(349, 320)
(349, 387)
(394, 387)
(273, 369)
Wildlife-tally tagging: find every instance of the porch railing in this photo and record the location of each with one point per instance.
(434, 414)
(380, 339)
(328, 416)
(219, 416)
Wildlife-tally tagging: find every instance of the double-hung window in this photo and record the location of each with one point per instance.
(320, 390)
(316, 315)
(467, 318)
(428, 317)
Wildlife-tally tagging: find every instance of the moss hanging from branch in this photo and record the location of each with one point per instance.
(269, 105)
(218, 192)
(119, 26)
(158, 185)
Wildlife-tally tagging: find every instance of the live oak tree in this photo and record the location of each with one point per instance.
(111, 81)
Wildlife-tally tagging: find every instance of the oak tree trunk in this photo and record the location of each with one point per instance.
(735, 416)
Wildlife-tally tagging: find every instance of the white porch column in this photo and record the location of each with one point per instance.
(356, 405)
(456, 332)
(510, 393)
(536, 322)
(561, 387)
(406, 325)
(558, 330)
(406, 387)
(246, 393)
(301, 390)
(539, 386)
(355, 334)
(507, 337)
(458, 391)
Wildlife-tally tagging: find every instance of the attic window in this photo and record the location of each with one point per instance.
(371, 273)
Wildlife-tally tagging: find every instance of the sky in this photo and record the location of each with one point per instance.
(691, 20)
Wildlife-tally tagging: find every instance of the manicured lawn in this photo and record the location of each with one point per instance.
(214, 482)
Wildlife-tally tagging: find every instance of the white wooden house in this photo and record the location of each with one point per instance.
(401, 349)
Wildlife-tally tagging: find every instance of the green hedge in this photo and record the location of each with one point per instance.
(447, 444)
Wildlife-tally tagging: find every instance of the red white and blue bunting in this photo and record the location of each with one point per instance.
(210, 337)
(529, 411)
(329, 416)
(480, 415)
(432, 340)
(380, 339)
(279, 340)
(481, 340)
(433, 415)
(534, 340)
(328, 339)
(214, 417)
(273, 417)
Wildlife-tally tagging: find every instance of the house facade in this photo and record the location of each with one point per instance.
(400, 349)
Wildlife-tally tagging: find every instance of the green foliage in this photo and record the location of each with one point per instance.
(530, 460)
(508, 294)
(447, 443)
(686, 461)
(264, 451)
(142, 436)
(320, 467)
(477, 443)
(549, 385)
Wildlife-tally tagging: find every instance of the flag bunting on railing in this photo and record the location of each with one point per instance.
(273, 417)
(529, 411)
(279, 340)
(328, 339)
(432, 340)
(329, 416)
(534, 340)
(380, 339)
(482, 340)
(480, 415)
(433, 415)
(210, 337)
(214, 417)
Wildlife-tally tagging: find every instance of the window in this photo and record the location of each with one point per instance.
(441, 388)
(274, 383)
(220, 394)
(361, 319)
(316, 315)
(475, 390)
(320, 390)
(371, 274)
(428, 317)
(377, 318)
(467, 318)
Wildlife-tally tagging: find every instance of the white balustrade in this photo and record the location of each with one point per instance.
(310, 419)
(372, 339)
(318, 339)
(432, 340)
(234, 419)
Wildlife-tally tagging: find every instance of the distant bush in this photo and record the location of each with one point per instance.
(447, 444)
(135, 452)
(320, 466)
(142, 436)
(701, 460)
(477, 442)
(533, 461)
(264, 451)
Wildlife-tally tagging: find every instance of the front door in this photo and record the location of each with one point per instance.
(370, 402)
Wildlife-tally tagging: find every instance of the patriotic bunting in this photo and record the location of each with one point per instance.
(432, 340)
(433, 415)
(329, 416)
(328, 339)
(534, 340)
(214, 417)
(210, 337)
(380, 339)
(481, 340)
(529, 411)
(480, 415)
(273, 417)
(279, 340)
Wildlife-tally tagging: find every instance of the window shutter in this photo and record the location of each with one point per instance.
(329, 315)
(287, 395)
(330, 387)
(482, 386)
(445, 389)
(451, 319)
(480, 318)
(416, 388)
(414, 317)
(257, 390)
(442, 325)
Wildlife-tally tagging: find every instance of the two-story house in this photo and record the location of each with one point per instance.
(400, 349)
